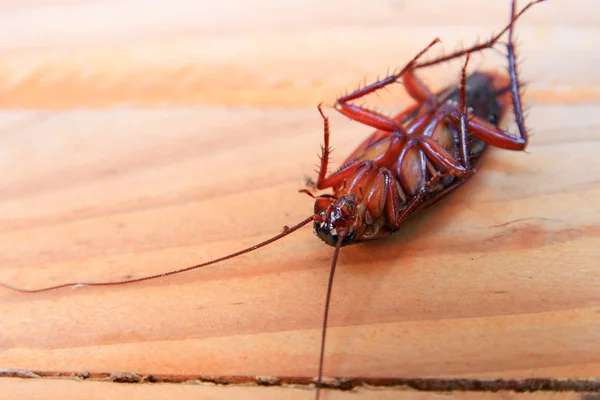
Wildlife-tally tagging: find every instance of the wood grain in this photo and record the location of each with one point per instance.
(46, 389)
(132, 146)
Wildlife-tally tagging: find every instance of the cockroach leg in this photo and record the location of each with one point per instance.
(389, 80)
(492, 135)
(462, 137)
(306, 191)
(479, 127)
(373, 118)
(486, 45)
(515, 85)
(414, 202)
(325, 149)
(442, 158)
(369, 117)
(393, 200)
(340, 176)
(483, 129)
(416, 88)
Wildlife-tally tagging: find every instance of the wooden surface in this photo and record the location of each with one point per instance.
(134, 142)
(45, 389)
(42, 390)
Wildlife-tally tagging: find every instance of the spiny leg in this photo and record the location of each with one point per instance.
(462, 136)
(386, 81)
(514, 79)
(370, 117)
(486, 131)
(480, 128)
(413, 64)
(323, 181)
(482, 46)
(477, 126)
(325, 149)
(491, 134)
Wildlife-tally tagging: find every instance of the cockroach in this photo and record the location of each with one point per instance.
(410, 162)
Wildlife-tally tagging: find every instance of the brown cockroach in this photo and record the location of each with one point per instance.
(410, 162)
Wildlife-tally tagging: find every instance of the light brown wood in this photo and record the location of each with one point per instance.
(47, 389)
(138, 142)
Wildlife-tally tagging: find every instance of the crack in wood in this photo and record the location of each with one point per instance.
(420, 384)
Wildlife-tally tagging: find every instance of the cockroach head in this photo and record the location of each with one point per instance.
(334, 217)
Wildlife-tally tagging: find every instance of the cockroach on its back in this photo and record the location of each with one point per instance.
(410, 162)
(389, 176)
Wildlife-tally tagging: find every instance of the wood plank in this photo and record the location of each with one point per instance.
(47, 389)
(182, 52)
(132, 147)
(499, 281)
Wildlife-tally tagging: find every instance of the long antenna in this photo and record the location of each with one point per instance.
(286, 231)
(338, 246)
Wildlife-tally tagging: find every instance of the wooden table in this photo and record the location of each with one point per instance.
(139, 137)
